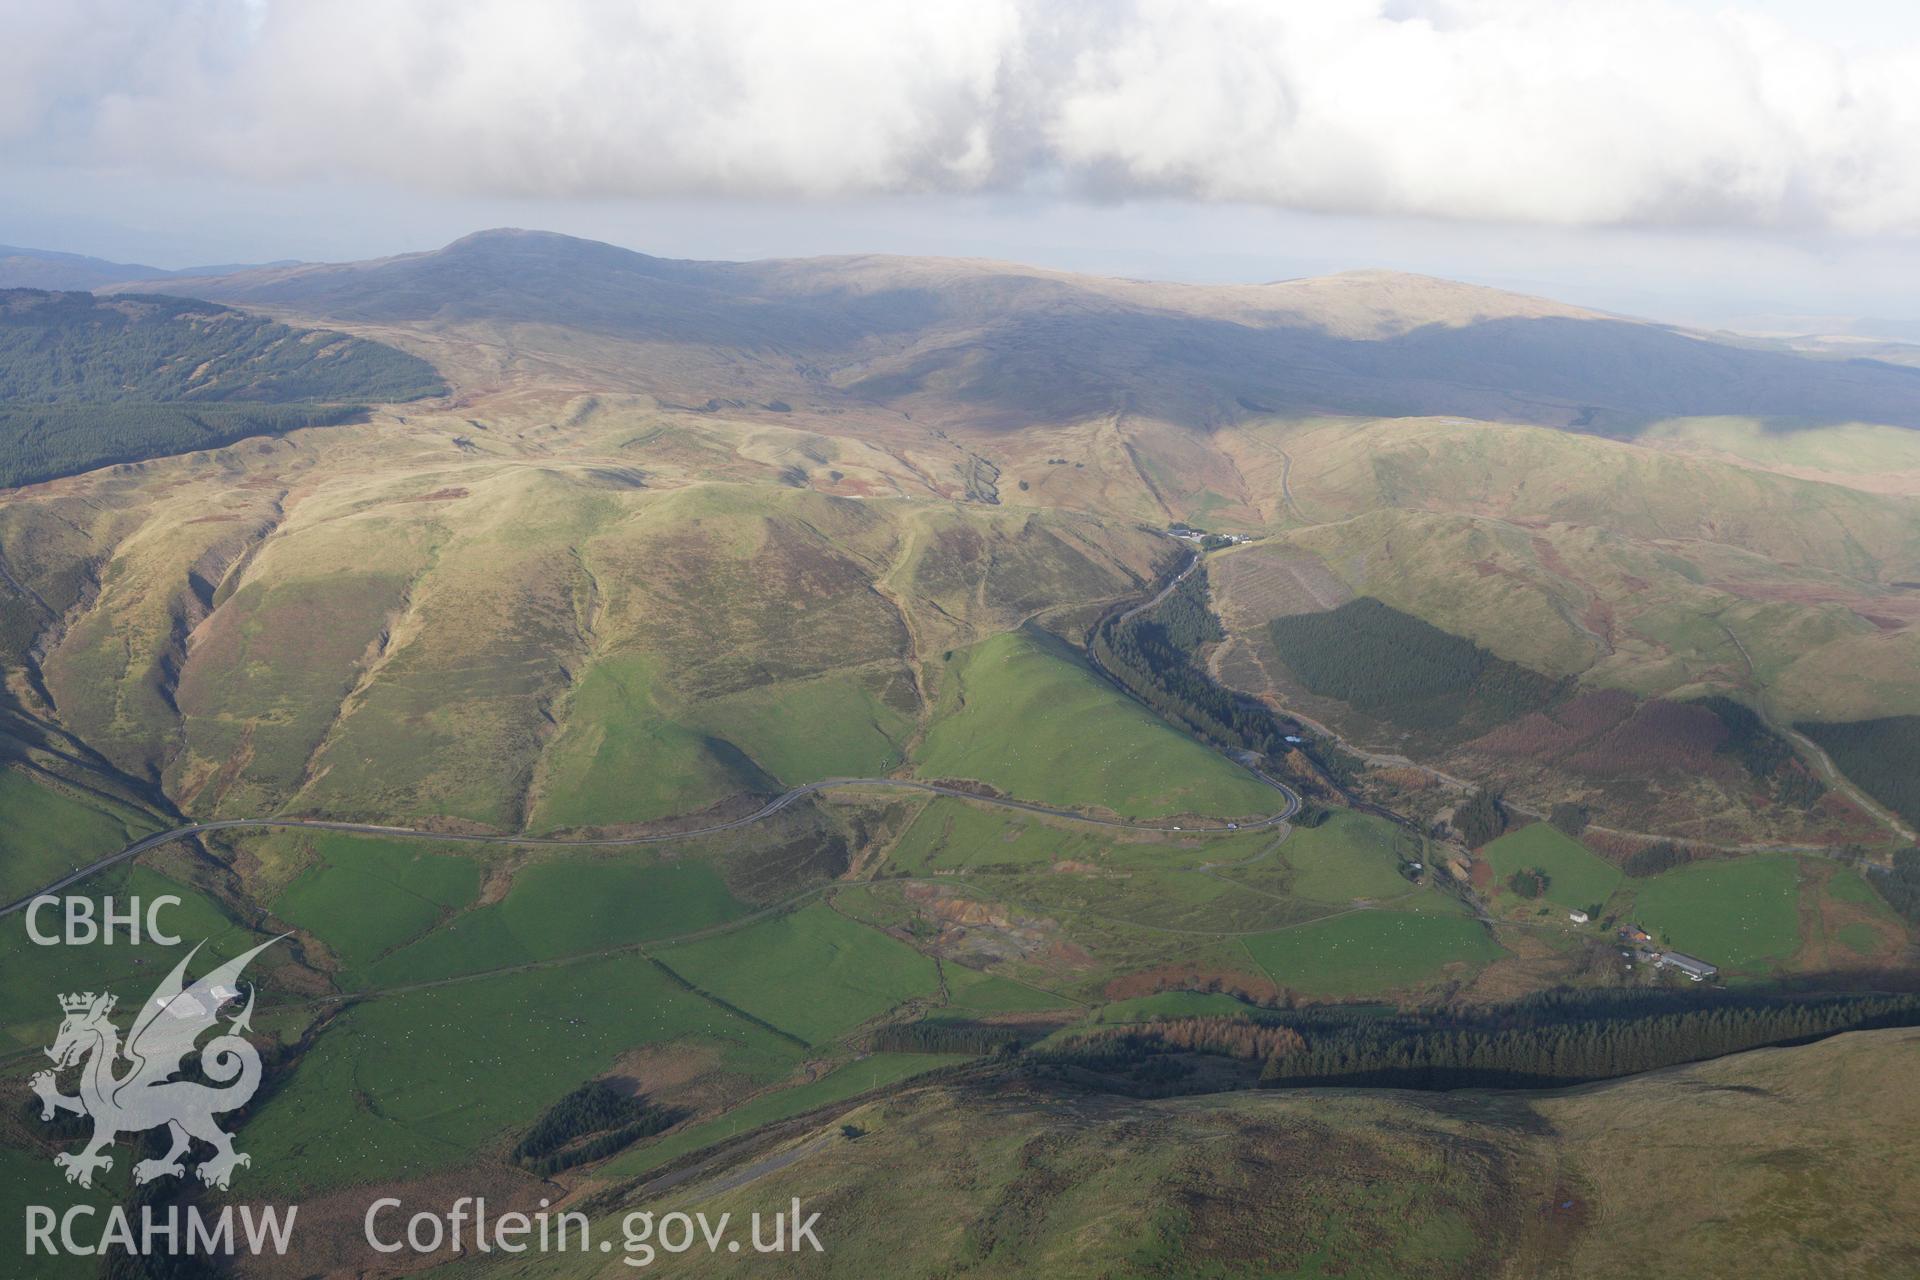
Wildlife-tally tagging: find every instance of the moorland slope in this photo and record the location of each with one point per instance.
(1777, 1163)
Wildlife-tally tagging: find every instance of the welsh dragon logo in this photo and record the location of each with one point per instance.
(145, 1095)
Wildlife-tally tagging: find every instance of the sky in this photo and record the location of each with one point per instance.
(1741, 163)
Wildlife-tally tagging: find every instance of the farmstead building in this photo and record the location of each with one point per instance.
(1695, 969)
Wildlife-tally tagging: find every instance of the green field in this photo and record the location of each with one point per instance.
(1741, 914)
(1368, 952)
(366, 897)
(405, 1084)
(812, 973)
(973, 994)
(45, 832)
(569, 905)
(1023, 714)
(1349, 856)
(1577, 878)
(36, 975)
(952, 834)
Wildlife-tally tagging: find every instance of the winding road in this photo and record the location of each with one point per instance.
(1173, 585)
(772, 807)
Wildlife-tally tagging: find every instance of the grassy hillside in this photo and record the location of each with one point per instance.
(1021, 713)
(466, 959)
(1783, 1190)
(558, 646)
(367, 897)
(1092, 914)
(621, 760)
(1573, 555)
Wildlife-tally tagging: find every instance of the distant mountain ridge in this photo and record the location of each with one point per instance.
(997, 344)
(49, 269)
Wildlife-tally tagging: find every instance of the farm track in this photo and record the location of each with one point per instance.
(1286, 485)
(1840, 782)
(777, 805)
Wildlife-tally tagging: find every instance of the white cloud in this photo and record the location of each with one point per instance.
(1568, 112)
